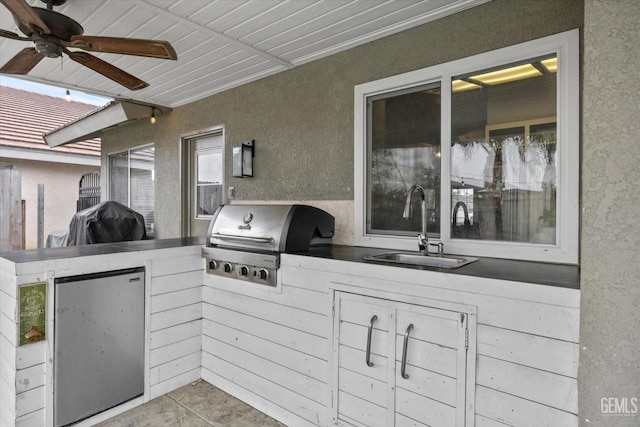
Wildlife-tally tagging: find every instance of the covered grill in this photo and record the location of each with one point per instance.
(245, 241)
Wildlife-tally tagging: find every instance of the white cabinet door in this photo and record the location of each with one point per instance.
(430, 373)
(399, 364)
(363, 361)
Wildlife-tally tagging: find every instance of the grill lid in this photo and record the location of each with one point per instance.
(276, 228)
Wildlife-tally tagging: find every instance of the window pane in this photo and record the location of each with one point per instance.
(210, 168)
(119, 178)
(209, 189)
(209, 197)
(503, 167)
(131, 182)
(403, 149)
(142, 185)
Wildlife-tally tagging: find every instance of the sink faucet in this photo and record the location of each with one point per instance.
(423, 240)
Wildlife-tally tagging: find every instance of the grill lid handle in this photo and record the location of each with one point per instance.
(231, 237)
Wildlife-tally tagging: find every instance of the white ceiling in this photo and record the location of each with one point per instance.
(221, 43)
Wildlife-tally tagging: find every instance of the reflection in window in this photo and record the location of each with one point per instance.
(403, 149)
(209, 191)
(131, 182)
(510, 130)
(503, 151)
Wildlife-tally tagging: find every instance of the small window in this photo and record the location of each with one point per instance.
(493, 140)
(132, 182)
(203, 178)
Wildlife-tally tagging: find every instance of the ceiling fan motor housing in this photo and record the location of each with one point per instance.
(48, 48)
(61, 26)
(54, 2)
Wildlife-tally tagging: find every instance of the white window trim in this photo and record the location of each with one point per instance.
(188, 203)
(128, 151)
(566, 47)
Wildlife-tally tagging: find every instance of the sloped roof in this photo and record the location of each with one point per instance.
(26, 116)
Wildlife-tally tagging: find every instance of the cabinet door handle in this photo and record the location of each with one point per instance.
(369, 332)
(403, 367)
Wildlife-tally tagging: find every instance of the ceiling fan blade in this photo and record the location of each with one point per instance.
(25, 16)
(10, 35)
(23, 62)
(110, 71)
(139, 47)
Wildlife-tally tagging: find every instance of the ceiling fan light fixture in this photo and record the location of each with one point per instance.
(48, 48)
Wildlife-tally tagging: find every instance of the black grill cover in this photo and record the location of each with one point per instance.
(104, 223)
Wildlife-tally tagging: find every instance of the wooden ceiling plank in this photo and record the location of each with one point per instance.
(216, 34)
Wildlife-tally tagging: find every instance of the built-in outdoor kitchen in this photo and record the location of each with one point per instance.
(335, 339)
(390, 235)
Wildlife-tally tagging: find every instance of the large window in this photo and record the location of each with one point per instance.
(131, 182)
(492, 139)
(503, 145)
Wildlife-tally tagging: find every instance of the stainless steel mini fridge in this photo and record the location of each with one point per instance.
(98, 343)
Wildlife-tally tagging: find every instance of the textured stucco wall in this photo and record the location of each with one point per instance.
(610, 238)
(302, 119)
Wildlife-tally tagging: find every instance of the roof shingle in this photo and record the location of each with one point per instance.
(26, 116)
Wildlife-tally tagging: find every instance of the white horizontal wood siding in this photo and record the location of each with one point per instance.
(175, 323)
(22, 369)
(8, 334)
(173, 326)
(269, 346)
(527, 334)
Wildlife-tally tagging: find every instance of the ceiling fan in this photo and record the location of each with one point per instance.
(54, 33)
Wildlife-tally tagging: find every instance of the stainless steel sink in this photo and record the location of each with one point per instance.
(416, 258)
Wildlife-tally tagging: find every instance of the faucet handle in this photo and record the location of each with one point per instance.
(438, 245)
(423, 243)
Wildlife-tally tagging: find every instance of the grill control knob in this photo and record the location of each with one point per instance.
(263, 274)
(213, 264)
(244, 270)
(228, 267)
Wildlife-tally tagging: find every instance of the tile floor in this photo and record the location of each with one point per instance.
(195, 405)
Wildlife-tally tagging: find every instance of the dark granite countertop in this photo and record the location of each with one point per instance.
(561, 275)
(32, 255)
(567, 276)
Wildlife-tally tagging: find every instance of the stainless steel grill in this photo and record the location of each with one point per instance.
(245, 241)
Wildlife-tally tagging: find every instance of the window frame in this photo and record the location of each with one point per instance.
(188, 166)
(566, 48)
(387, 95)
(151, 227)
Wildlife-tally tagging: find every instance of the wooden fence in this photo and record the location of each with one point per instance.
(88, 191)
(11, 211)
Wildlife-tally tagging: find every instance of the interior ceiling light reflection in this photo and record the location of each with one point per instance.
(505, 75)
